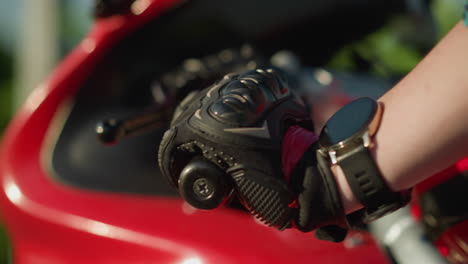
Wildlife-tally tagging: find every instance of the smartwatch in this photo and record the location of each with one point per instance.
(345, 141)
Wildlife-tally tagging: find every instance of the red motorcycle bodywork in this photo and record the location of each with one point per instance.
(453, 242)
(50, 222)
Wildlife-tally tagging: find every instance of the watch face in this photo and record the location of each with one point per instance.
(349, 121)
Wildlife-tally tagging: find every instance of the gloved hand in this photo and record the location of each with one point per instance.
(228, 140)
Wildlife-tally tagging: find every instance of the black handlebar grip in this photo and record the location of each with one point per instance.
(203, 185)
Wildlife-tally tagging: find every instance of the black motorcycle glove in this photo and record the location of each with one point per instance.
(320, 207)
(227, 140)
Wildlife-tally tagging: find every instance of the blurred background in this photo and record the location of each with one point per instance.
(35, 35)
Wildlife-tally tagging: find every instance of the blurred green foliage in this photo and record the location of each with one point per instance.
(6, 73)
(4, 247)
(447, 13)
(6, 78)
(397, 47)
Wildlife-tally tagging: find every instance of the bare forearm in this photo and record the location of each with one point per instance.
(424, 128)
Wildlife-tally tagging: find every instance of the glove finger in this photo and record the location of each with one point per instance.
(332, 233)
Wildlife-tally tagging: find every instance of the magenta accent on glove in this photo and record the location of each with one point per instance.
(295, 142)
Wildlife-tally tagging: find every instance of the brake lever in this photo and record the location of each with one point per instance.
(112, 131)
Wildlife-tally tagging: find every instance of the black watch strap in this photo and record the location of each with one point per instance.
(368, 185)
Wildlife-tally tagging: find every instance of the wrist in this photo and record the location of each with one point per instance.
(349, 201)
(347, 141)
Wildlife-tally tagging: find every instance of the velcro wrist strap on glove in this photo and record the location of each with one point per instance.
(320, 206)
